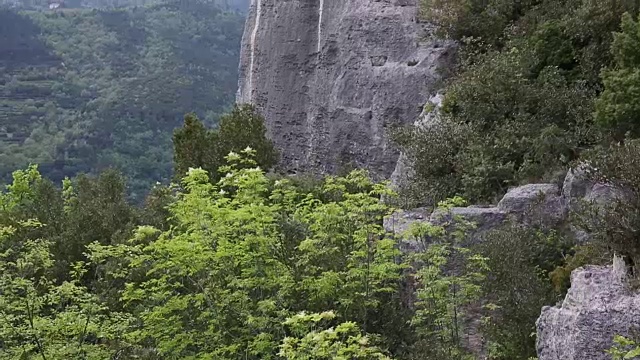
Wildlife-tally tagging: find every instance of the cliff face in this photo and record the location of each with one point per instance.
(331, 76)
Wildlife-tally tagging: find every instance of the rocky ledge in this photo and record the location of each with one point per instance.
(533, 204)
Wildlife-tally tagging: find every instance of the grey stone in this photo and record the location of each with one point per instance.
(483, 219)
(400, 221)
(331, 76)
(541, 203)
(519, 199)
(577, 183)
(603, 194)
(598, 306)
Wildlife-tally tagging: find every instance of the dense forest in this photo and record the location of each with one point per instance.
(231, 260)
(82, 90)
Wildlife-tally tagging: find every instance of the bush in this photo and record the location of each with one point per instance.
(614, 224)
(196, 146)
(518, 286)
(521, 104)
(618, 107)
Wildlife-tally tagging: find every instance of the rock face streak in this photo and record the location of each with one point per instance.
(331, 76)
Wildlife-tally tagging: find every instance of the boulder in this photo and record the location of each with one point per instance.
(598, 306)
(482, 219)
(541, 203)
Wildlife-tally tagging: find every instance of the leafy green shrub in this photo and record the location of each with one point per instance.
(481, 19)
(447, 282)
(624, 348)
(521, 104)
(618, 106)
(614, 222)
(518, 285)
(195, 146)
(342, 342)
(245, 253)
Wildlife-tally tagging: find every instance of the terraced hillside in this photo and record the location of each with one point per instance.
(83, 89)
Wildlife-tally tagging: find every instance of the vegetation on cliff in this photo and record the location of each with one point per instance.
(521, 104)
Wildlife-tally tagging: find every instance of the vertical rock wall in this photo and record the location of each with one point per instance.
(331, 77)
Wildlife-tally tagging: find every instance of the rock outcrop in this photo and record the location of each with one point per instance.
(532, 204)
(332, 76)
(403, 172)
(598, 306)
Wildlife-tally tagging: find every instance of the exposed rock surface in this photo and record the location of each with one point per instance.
(403, 171)
(598, 306)
(331, 76)
(544, 204)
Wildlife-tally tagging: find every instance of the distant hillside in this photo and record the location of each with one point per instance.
(237, 5)
(82, 90)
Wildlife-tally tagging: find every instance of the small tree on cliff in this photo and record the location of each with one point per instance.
(195, 146)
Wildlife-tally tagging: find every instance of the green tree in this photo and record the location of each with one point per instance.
(618, 107)
(195, 146)
(41, 316)
(520, 105)
(311, 342)
(245, 253)
(521, 261)
(448, 280)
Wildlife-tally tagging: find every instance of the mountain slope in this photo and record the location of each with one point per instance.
(82, 90)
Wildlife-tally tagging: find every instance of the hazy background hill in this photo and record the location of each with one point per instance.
(86, 89)
(237, 5)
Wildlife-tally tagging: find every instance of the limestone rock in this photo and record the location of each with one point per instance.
(577, 183)
(483, 219)
(598, 306)
(400, 221)
(403, 171)
(542, 202)
(331, 76)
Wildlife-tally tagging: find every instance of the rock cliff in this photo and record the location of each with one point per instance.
(598, 306)
(331, 76)
(532, 204)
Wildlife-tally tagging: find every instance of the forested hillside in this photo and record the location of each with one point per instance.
(236, 5)
(83, 90)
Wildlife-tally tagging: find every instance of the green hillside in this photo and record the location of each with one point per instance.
(83, 89)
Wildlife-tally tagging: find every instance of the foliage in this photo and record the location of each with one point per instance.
(257, 267)
(448, 285)
(521, 260)
(44, 319)
(624, 348)
(613, 225)
(618, 107)
(344, 342)
(521, 104)
(480, 19)
(244, 254)
(90, 89)
(195, 146)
